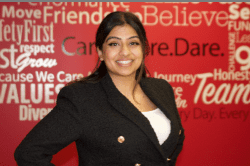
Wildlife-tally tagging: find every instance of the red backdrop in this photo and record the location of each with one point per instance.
(202, 49)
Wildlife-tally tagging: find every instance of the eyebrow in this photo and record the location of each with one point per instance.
(114, 37)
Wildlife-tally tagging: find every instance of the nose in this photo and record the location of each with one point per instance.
(125, 50)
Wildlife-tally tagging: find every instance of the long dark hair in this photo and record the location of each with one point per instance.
(118, 18)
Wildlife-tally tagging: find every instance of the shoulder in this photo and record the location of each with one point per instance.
(79, 89)
(156, 82)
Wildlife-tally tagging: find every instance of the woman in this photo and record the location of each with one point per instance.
(113, 114)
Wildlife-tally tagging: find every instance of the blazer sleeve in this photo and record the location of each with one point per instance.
(54, 132)
(179, 145)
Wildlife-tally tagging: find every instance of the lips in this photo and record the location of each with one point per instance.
(124, 62)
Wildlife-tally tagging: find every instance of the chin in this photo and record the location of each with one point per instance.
(125, 74)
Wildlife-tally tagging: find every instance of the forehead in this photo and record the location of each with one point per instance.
(123, 31)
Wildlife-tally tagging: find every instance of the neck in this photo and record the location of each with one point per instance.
(124, 84)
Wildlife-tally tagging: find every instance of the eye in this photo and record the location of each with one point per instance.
(112, 44)
(134, 43)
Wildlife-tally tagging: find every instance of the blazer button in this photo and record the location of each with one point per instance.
(168, 159)
(137, 164)
(121, 139)
(180, 132)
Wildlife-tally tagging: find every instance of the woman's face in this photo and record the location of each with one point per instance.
(122, 51)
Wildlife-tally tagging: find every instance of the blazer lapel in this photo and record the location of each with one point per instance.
(163, 100)
(124, 106)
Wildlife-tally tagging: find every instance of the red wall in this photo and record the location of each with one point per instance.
(202, 49)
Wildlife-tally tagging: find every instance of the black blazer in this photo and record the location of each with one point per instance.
(107, 128)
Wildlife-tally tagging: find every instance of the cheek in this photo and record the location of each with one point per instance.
(138, 53)
(110, 54)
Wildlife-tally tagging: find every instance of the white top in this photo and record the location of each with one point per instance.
(160, 123)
